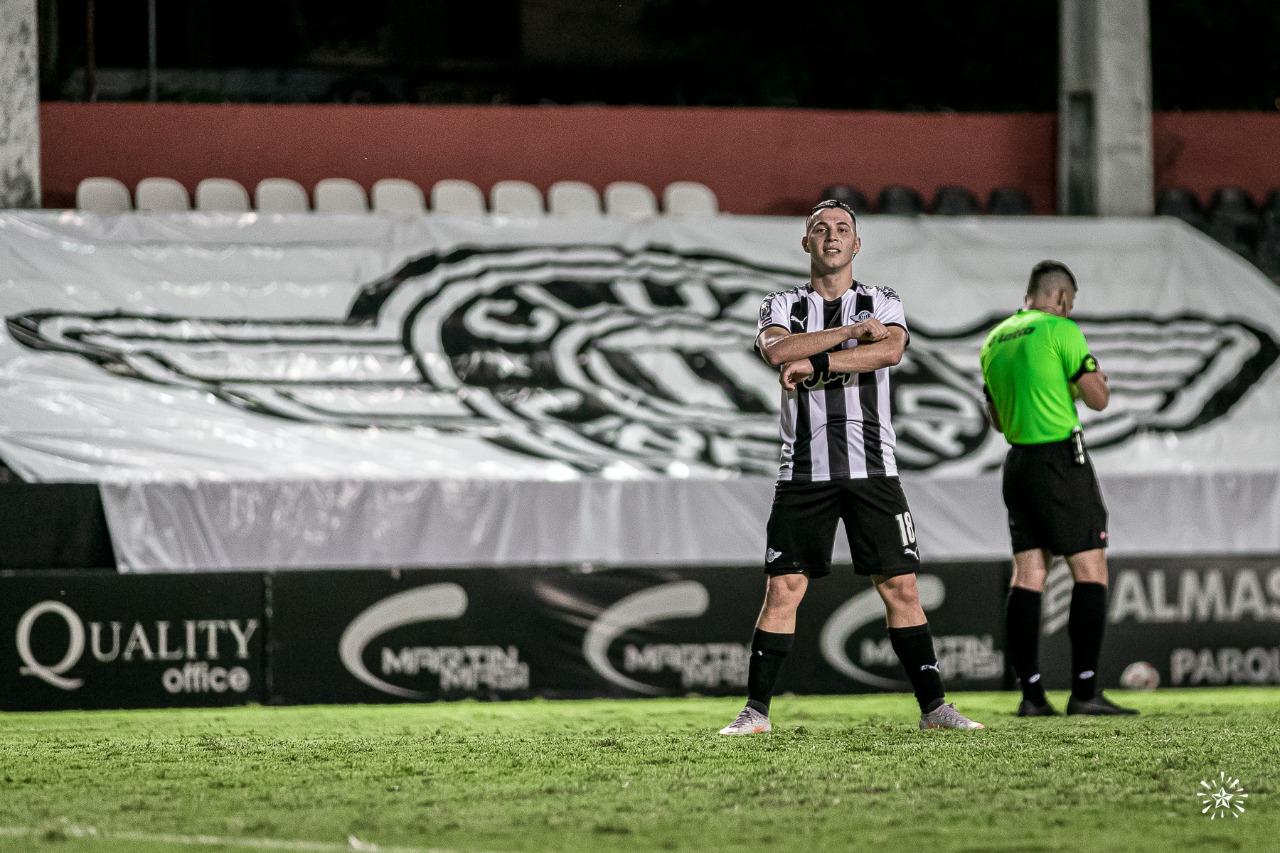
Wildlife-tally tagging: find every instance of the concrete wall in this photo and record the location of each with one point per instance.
(19, 101)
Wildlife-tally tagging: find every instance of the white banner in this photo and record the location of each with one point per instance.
(274, 391)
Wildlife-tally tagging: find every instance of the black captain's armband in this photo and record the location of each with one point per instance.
(1089, 365)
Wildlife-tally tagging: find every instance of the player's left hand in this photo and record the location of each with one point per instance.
(795, 372)
(868, 331)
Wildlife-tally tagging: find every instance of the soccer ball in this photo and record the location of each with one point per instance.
(1140, 675)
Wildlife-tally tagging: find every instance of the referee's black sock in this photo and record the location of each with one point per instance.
(1022, 626)
(914, 647)
(1084, 626)
(768, 651)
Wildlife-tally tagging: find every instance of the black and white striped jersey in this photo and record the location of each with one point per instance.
(835, 426)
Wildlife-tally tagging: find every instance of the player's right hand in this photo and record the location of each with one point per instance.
(868, 331)
(795, 372)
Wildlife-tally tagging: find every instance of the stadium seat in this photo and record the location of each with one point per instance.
(1268, 253)
(161, 195)
(460, 197)
(1272, 202)
(340, 195)
(280, 195)
(1228, 235)
(1233, 213)
(516, 198)
(955, 201)
(1231, 200)
(851, 196)
(689, 198)
(221, 195)
(1008, 201)
(900, 201)
(102, 195)
(573, 198)
(629, 199)
(1181, 203)
(396, 195)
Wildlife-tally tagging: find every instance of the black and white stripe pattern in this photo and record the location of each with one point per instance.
(836, 426)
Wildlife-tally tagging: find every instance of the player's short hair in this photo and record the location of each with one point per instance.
(831, 202)
(1043, 273)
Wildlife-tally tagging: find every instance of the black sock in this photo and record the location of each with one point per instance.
(1022, 627)
(914, 647)
(1084, 626)
(768, 651)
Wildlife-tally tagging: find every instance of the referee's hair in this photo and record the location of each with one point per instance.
(1044, 272)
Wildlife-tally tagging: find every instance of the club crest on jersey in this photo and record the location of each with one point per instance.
(596, 355)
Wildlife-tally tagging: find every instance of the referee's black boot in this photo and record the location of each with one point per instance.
(1098, 706)
(1027, 708)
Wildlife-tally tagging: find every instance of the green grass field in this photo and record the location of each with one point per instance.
(837, 773)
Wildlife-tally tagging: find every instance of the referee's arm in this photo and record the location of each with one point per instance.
(1094, 390)
(992, 414)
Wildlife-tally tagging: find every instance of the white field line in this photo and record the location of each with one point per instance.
(353, 844)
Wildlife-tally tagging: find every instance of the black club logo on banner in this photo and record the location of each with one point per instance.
(597, 355)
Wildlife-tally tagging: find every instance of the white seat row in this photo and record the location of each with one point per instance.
(395, 195)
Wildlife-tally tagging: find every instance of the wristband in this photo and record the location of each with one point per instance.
(821, 362)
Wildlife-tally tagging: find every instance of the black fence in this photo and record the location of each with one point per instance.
(52, 525)
(81, 639)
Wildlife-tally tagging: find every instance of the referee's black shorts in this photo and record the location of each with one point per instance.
(1053, 502)
(877, 520)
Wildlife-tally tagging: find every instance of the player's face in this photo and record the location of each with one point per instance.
(831, 240)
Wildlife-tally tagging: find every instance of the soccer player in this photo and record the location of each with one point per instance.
(835, 340)
(1035, 364)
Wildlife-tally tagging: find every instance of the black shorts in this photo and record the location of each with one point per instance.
(877, 520)
(1053, 502)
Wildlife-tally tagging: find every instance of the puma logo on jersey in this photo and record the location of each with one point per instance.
(771, 555)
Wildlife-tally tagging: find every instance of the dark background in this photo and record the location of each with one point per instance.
(998, 55)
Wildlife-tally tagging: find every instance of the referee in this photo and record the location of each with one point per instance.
(834, 340)
(1035, 364)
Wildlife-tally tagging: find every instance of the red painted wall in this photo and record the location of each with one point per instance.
(765, 161)
(1204, 151)
(758, 161)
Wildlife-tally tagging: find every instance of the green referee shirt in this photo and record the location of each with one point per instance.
(1028, 364)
